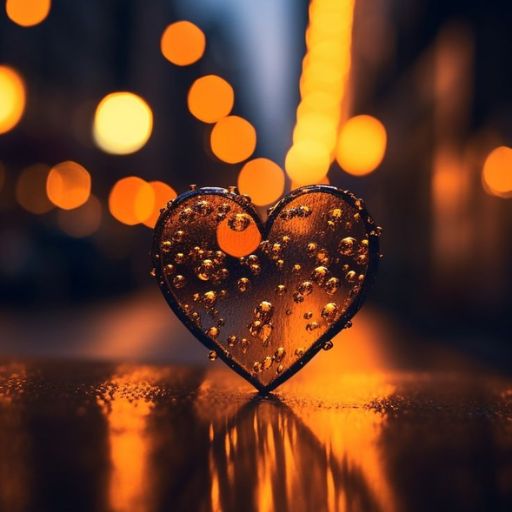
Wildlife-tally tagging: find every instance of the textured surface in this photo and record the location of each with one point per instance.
(83, 436)
(266, 299)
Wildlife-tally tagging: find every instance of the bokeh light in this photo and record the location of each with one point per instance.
(82, 221)
(183, 43)
(361, 145)
(263, 180)
(497, 172)
(31, 189)
(324, 181)
(233, 139)
(27, 13)
(68, 185)
(12, 98)
(123, 123)
(238, 243)
(131, 200)
(163, 193)
(307, 162)
(210, 98)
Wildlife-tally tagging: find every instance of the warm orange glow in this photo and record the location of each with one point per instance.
(12, 98)
(210, 98)
(82, 221)
(361, 145)
(233, 139)
(131, 200)
(68, 185)
(163, 193)
(27, 13)
(323, 181)
(497, 172)
(123, 123)
(323, 88)
(183, 43)
(307, 162)
(262, 179)
(31, 189)
(238, 243)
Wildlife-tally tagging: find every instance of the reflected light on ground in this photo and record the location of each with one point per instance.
(68, 185)
(163, 193)
(31, 189)
(307, 162)
(210, 98)
(361, 145)
(261, 179)
(131, 200)
(323, 89)
(123, 123)
(82, 221)
(233, 139)
(27, 13)
(238, 243)
(183, 43)
(12, 98)
(497, 172)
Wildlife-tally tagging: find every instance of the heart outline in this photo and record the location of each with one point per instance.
(265, 229)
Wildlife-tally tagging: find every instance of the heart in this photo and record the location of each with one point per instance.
(265, 298)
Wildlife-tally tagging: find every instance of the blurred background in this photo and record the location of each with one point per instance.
(110, 109)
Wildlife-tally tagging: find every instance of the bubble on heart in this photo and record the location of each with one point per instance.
(238, 235)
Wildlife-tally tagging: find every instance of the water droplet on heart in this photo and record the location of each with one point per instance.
(335, 215)
(219, 257)
(345, 268)
(332, 285)
(322, 257)
(179, 258)
(299, 352)
(243, 284)
(275, 250)
(239, 221)
(362, 259)
(311, 248)
(288, 312)
(347, 246)
(203, 207)
(286, 240)
(264, 310)
(232, 340)
(187, 215)
(328, 345)
(209, 298)
(348, 325)
(265, 332)
(244, 344)
(224, 208)
(252, 259)
(256, 367)
(212, 355)
(351, 276)
(196, 297)
(357, 217)
(222, 274)
(330, 312)
(360, 278)
(221, 322)
(359, 204)
(280, 289)
(320, 275)
(279, 354)
(213, 332)
(298, 297)
(296, 268)
(179, 281)
(255, 268)
(305, 288)
(196, 317)
(308, 315)
(267, 362)
(280, 264)
(178, 236)
(312, 326)
(303, 211)
(363, 247)
(280, 369)
(255, 327)
(169, 269)
(166, 246)
(152, 272)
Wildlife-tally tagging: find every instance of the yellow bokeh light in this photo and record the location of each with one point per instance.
(233, 139)
(238, 243)
(262, 179)
(361, 145)
(131, 200)
(68, 185)
(12, 98)
(31, 189)
(123, 123)
(307, 162)
(183, 43)
(210, 98)
(163, 193)
(82, 221)
(27, 13)
(497, 172)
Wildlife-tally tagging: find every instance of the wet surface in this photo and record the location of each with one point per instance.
(101, 436)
